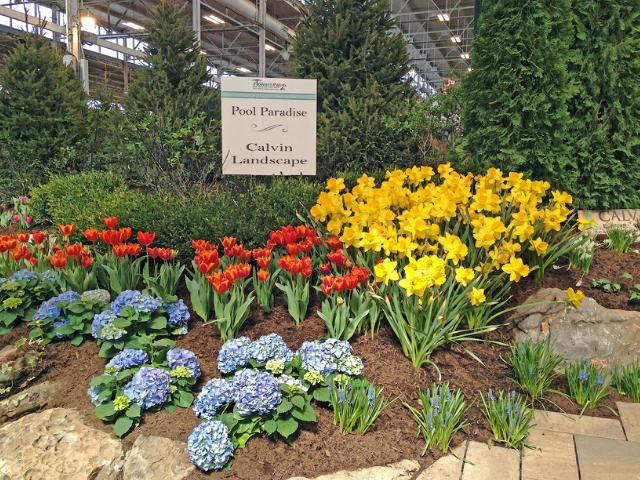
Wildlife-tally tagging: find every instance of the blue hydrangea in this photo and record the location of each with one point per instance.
(128, 358)
(209, 446)
(138, 301)
(60, 323)
(233, 354)
(22, 274)
(150, 386)
(178, 313)
(177, 357)
(215, 394)
(93, 393)
(50, 309)
(102, 327)
(270, 347)
(330, 356)
(255, 392)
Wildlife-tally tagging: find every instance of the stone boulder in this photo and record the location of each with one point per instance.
(157, 458)
(403, 470)
(27, 401)
(591, 332)
(16, 362)
(53, 444)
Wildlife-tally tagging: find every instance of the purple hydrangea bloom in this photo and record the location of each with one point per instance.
(50, 309)
(178, 313)
(255, 392)
(128, 358)
(209, 446)
(150, 386)
(233, 354)
(216, 393)
(329, 356)
(270, 347)
(177, 357)
(102, 327)
(138, 301)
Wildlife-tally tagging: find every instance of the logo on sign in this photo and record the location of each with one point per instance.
(259, 84)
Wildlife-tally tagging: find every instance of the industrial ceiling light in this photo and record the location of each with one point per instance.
(269, 48)
(243, 69)
(214, 19)
(456, 39)
(133, 25)
(465, 55)
(88, 22)
(443, 17)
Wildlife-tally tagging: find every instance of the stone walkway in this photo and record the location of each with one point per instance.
(568, 447)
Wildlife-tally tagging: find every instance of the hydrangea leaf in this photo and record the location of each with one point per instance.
(287, 427)
(122, 426)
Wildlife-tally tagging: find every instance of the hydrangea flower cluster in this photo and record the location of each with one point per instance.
(216, 393)
(150, 386)
(330, 356)
(50, 309)
(128, 358)
(178, 314)
(102, 327)
(255, 392)
(29, 275)
(137, 300)
(97, 296)
(181, 357)
(236, 353)
(209, 446)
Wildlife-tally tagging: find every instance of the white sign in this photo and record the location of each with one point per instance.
(268, 126)
(620, 218)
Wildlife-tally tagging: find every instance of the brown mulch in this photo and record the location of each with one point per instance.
(321, 448)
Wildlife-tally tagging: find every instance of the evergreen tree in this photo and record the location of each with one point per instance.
(361, 70)
(515, 100)
(172, 113)
(42, 114)
(605, 108)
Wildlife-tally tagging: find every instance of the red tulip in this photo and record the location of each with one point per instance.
(263, 262)
(66, 230)
(111, 222)
(263, 275)
(350, 281)
(91, 234)
(166, 254)
(153, 252)
(199, 245)
(207, 268)
(228, 242)
(23, 237)
(145, 238)
(73, 250)
(58, 260)
(334, 243)
(120, 250)
(86, 261)
(38, 237)
(28, 219)
(325, 267)
(19, 252)
(337, 258)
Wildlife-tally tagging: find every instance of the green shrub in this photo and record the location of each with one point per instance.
(247, 214)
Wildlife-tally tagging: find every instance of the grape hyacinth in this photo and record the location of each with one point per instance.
(177, 357)
(50, 309)
(256, 392)
(128, 358)
(270, 347)
(209, 446)
(103, 328)
(138, 301)
(216, 393)
(149, 387)
(233, 354)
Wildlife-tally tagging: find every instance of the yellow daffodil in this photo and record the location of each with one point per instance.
(539, 246)
(585, 223)
(464, 275)
(575, 297)
(476, 296)
(516, 269)
(386, 271)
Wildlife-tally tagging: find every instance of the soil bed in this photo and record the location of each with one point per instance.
(321, 448)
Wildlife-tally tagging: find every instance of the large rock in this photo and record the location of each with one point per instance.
(157, 458)
(592, 331)
(403, 470)
(27, 401)
(17, 362)
(54, 444)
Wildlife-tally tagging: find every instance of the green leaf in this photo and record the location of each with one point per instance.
(158, 323)
(133, 411)
(287, 427)
(306, 415)
(105, 412)
(122, 426)
(270, 427)
(77, 340)
(321, 394)
(285, 406)
(185, 399)
(298, 401)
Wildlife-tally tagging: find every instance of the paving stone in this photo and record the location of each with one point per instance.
(630, 418)
(484, 463)
(603, 458)
(403, 470)
(593, 426)
(448, 467)
(554, 457)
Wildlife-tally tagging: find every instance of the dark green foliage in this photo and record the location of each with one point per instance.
(42, 116)
(605, 106)
(360, 69)
(171, 114)
(177, 219)
(515, 99)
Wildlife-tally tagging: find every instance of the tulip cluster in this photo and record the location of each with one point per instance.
(265, 278)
